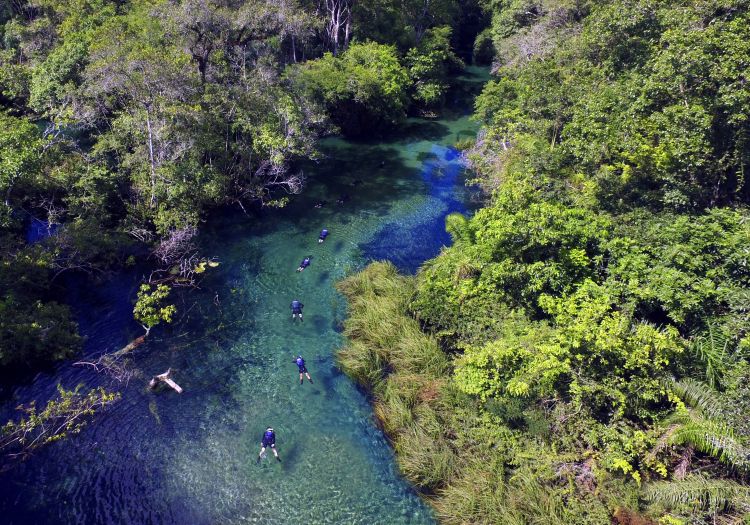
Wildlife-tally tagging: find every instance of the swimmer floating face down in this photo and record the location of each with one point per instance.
(302, 369)
(296, 307)
(304, 264)
(268, 441)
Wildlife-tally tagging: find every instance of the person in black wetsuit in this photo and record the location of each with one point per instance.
(268, 441)
(304, 264)
(302, 369)
(323, 235)
(297, 307)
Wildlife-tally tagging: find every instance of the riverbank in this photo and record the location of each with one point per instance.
(465, 460)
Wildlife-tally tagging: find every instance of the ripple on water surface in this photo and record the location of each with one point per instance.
(191, 458)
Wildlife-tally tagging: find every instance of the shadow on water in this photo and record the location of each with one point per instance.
(421, 130)
(190, 458)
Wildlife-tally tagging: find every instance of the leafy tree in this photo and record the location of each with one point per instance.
(34, 333)
(363, 90)
(21, 151)
(403, 22)
(150, 309)
(430, 64)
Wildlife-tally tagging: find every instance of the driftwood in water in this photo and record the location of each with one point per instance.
(117, 364)
(165, 379)
(131, 345)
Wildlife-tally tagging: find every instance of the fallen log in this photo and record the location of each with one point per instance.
(131, 345)
(165, 379)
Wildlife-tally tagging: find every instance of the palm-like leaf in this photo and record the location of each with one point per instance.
(701, 493)
(713, 438)
(711, 350)
(698, 395)
(700, 426)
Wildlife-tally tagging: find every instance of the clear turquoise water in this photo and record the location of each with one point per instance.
(190, 458)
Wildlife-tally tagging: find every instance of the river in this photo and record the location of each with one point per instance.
(191, 458)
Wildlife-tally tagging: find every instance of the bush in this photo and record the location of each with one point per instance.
(364, 90)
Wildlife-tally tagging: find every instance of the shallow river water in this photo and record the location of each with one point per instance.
(191, 458)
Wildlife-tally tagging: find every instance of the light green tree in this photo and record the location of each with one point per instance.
(150, 308)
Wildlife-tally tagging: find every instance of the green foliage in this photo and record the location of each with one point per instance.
(596, 309)
(149, 309)
(483, 51)
(429, 65)
(405, 369)
(697, 493)
(473, 468)
(21, 150)
(34, 333)
(712, 351)
(523, 248)
(363, 90)
(403, 22)
(61, 417)
(630, 96)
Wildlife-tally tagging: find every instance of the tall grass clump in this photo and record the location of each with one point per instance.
(404, 369)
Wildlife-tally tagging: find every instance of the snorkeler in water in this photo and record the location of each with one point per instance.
(323, 235)
(268, 441)
(297, 307)
(302, 369)
(304, 264)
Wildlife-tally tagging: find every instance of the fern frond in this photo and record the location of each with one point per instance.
(712, 438)
(698, 395)
(699, 492)
(711, 350)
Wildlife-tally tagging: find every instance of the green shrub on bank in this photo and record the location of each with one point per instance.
(459, 455)
(364, 90)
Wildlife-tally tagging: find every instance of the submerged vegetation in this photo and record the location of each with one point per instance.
(580, 354)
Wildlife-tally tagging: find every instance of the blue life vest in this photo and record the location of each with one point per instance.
(300, 363)
(305, 262)
(324, 234)
(269, 438)
(296, 306)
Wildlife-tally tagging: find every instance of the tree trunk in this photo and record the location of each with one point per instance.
(151, 158)
(339, 16)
